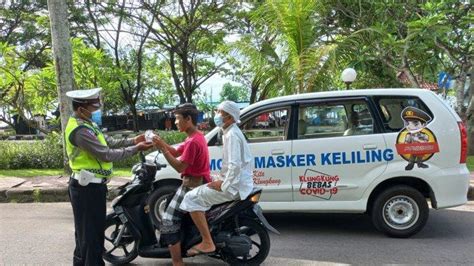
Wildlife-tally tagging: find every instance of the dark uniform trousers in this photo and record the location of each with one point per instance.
(89, 208)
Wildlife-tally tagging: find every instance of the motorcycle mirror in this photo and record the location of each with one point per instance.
(142, 157)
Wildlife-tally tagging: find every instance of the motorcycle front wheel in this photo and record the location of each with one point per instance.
(119, 246)
(260, 244)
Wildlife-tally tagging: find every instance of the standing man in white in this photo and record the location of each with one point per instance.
(235, 180)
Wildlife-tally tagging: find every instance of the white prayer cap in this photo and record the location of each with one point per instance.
(231, 108)
(85, 95)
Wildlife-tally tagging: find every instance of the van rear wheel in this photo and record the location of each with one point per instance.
(400, 211)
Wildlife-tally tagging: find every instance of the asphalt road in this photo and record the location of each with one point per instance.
(43, 234)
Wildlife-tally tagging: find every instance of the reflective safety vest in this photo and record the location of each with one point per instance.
(80, 159)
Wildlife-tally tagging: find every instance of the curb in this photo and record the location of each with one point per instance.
(54, 194)
(60, 194)
(3, 196)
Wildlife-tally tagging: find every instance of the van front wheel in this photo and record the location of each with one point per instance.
(159, 201)
(400, 211)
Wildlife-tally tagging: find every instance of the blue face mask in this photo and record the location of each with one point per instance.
(219, 120)
(97, 117)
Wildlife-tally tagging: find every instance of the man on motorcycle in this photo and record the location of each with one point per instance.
(236, 177)
(191, 159)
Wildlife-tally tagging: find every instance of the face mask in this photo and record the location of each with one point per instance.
(97, 117)
(219, 120)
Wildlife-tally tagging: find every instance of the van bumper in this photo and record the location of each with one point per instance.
(450, 187)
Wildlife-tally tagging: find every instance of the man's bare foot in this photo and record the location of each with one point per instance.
(201, 249)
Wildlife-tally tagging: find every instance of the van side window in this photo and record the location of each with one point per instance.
(266, 126)
(325, 120)
(391, 108)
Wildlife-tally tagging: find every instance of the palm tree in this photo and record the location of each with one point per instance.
(300, 46)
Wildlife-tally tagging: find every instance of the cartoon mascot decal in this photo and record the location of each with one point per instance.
(416, 143)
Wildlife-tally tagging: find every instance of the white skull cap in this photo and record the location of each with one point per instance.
(231, 108)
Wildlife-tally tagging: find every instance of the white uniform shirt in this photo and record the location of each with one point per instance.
(236, 163)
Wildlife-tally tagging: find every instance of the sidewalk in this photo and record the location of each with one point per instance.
(45, 188)
(54, 188)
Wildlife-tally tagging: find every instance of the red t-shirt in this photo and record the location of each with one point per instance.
(195, 153)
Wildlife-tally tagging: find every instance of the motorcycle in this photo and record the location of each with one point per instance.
(238, 228)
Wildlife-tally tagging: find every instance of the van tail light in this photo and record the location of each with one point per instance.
(463, 131)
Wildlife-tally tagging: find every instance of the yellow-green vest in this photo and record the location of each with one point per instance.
(80, 159)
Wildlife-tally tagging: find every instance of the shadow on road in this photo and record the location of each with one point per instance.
(351, 238)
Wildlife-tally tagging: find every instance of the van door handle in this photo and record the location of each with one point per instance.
(277, 152)
(370, 146)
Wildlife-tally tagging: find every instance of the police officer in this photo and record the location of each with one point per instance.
(415, 121)
(90, 155)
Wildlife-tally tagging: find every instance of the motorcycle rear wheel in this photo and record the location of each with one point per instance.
(126, 249)
(260, 244)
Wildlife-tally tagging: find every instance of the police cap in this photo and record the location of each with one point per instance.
(91, 96)
(412, 113)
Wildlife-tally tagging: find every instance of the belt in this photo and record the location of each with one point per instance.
(95, 180)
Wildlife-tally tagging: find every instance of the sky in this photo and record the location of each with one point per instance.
(214, 84)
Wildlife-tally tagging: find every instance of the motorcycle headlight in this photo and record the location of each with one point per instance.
(114, 201)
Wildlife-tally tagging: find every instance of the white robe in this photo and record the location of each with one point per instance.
(236, 174)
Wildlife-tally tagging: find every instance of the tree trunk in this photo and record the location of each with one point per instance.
(175, 76)
(187, 78)
(253, 91)
(135, 117)
(62, 61)
(470, 128)
(470, 114)
(411, 77)
(461, 83)
(189, 96)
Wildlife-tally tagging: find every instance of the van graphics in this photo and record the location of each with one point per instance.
(323, 159)
(416, 143)
(259, 179)
(318, 184)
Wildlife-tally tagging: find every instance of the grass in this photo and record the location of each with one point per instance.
(470, 163)
(30, 172)
(51, 172)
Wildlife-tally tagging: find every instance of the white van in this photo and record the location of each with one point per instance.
(384, 152)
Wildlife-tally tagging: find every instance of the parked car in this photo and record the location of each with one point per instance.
(389, 151)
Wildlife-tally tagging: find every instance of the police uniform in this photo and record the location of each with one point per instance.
(414, 114)
(90, 154)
